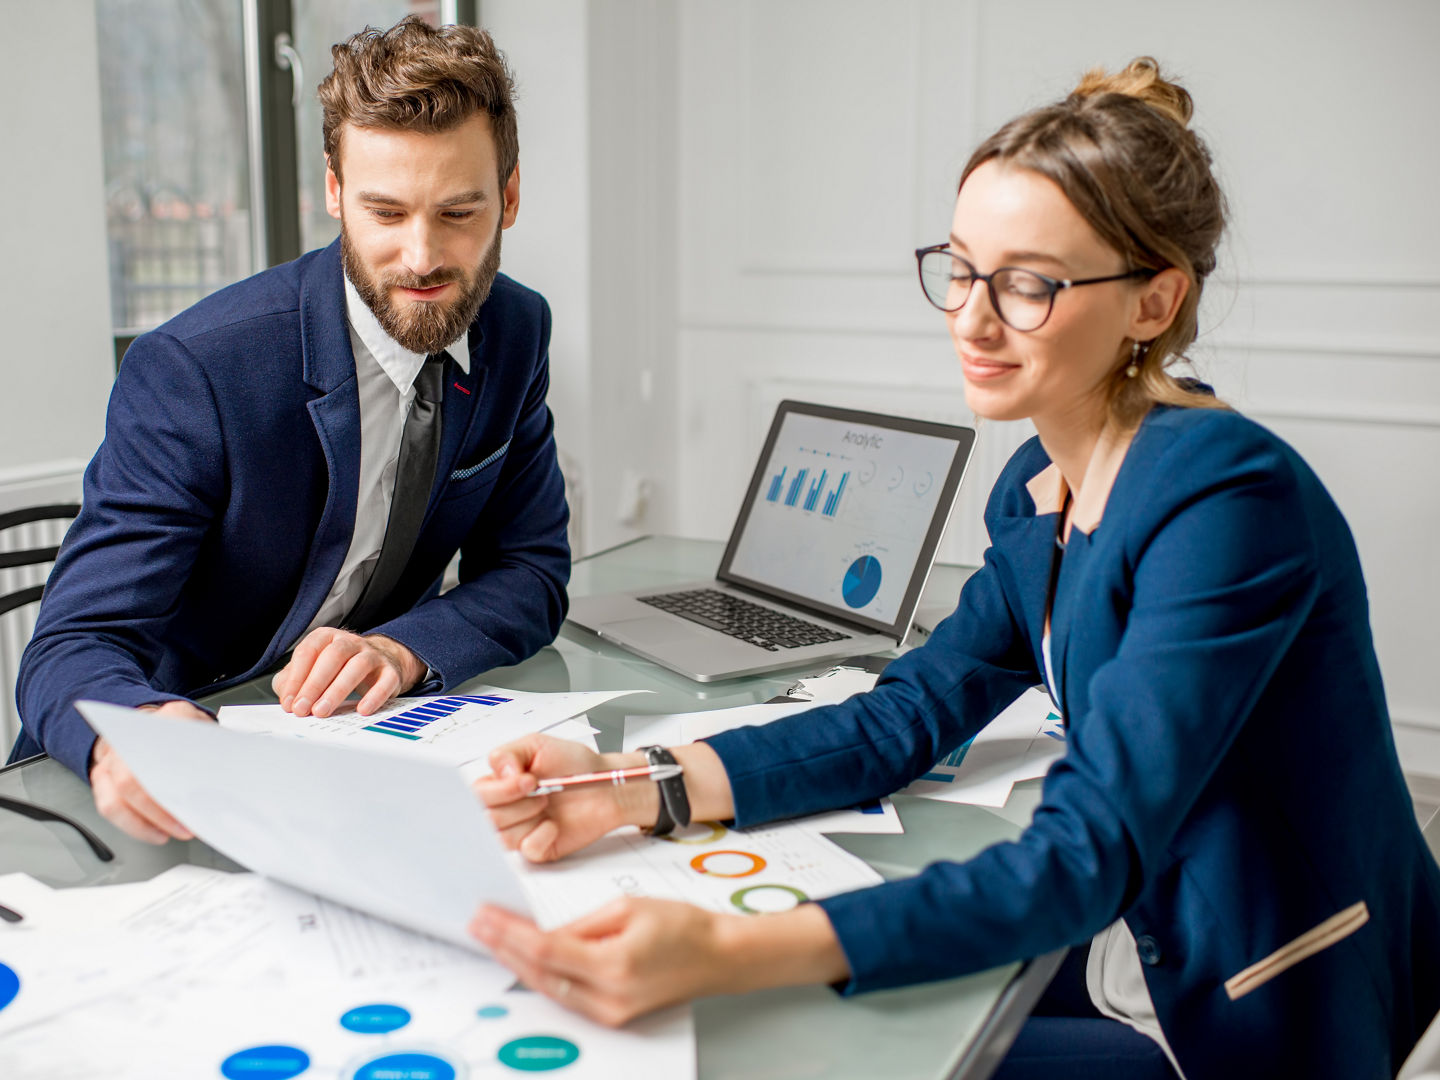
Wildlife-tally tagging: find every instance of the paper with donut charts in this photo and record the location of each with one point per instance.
(749, 872)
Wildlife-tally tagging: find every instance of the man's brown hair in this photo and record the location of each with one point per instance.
(414, 77)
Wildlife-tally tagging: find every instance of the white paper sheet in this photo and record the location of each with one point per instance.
(836, 685)
(454, 728)
(879, 816)
(1019, 744)
(220, 966)
(750, 871)
(398, 837)
(446, 1027)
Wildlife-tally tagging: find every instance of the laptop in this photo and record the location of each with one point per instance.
(827, 559)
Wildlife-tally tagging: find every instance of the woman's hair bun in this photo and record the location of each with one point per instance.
(1142, 80)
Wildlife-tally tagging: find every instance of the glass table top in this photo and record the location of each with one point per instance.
(919, 1032)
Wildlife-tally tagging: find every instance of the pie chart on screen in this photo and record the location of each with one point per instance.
(862, 581)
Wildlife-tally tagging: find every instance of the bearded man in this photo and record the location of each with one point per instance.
(292, 463)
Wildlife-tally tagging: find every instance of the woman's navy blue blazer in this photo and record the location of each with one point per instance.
(1230, 785)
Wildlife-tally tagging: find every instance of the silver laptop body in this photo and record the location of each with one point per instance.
(838, 530)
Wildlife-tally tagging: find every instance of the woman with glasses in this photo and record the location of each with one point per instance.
(1227, 844)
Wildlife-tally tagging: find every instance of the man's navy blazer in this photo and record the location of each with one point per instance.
(219, 508)
(1230, 785)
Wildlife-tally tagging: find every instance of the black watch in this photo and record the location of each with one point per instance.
(674, 802)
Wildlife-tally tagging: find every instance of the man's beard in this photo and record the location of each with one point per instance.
(422, 326)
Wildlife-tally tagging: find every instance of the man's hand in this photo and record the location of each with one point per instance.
(330, 663)
(120, 798)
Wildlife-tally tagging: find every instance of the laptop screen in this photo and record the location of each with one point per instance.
(845, 511)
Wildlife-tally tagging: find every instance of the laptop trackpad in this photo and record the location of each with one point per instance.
(647, 631)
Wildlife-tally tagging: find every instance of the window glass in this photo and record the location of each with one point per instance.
(319, 24)
(176, 166)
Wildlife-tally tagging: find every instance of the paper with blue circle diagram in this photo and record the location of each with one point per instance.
(204, 973)
(399, 837)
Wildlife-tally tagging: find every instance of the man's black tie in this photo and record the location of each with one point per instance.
(414, 476)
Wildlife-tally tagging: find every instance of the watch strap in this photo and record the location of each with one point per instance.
(674, 808)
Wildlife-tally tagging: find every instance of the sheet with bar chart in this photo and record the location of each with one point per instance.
(455, 728)
(844, 513)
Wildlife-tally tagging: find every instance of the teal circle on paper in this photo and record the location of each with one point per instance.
(539, 1053)
(407, 1066)
(265, 1063)
(492, 1012)
(9, 985)
(376, 1019)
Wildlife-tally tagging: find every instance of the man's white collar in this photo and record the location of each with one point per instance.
(398, 362)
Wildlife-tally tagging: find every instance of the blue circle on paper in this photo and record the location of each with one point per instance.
(375, 1019)
(9, 985)
(862, 581)
(539, 1053)
(265, 1063)
(492, 1012)
(407, 1066)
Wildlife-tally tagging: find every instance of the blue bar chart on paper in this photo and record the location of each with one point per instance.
(408, 724)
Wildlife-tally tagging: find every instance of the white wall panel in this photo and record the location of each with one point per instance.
(819, 144)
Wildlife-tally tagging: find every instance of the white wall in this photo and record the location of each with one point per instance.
(820, 141)
(58, 358)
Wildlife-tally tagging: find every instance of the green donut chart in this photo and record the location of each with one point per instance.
(767, 899)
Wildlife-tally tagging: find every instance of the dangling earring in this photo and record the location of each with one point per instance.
(1134, 368)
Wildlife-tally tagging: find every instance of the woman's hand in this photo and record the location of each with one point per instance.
(635, 955)
(628, 958)
(546, 827)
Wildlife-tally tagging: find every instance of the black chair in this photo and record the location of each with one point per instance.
(10, 602)
(30, 556)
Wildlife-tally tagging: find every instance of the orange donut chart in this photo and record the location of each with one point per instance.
(756, 863)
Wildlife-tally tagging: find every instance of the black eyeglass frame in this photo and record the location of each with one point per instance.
(1054, 285)
(36, 812)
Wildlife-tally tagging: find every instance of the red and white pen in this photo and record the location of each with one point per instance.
(552, 785)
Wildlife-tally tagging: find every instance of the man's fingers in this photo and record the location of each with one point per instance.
(140, 803)
(385, 685)
(131, 823)
(357, 669)
(120, 810)
(292, 675)
(322, 673)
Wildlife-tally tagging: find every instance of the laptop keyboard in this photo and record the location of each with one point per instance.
(753, 623)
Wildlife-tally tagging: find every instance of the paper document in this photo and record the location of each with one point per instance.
(878, 816)
(454, 728)
(1019, 744)
(751, 871)
(401, 838)
(232, 975)
(836, 685)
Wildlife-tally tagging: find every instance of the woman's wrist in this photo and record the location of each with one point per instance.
(706, 785)
(638, 802)
(792, 948)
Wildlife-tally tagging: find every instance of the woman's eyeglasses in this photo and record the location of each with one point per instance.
(1022, 298)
